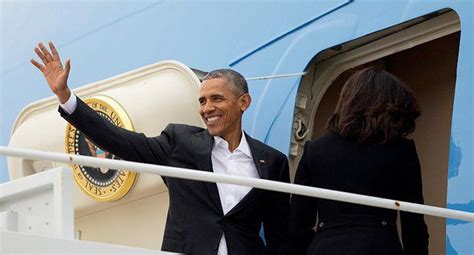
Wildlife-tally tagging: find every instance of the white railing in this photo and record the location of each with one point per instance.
(237, 180)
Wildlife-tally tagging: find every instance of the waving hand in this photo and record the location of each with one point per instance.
(53, 70)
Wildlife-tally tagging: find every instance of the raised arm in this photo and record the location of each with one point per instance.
(118, 141)
(53, 70)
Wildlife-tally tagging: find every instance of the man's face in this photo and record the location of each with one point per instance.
(221, 108)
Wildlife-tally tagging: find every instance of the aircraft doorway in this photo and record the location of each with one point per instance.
(428, 67)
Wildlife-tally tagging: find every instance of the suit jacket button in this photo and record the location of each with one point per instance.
(321, 224)
(216, 246)
(384, 223)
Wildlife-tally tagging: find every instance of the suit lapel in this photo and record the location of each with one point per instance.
(259, 157)
(202, 147)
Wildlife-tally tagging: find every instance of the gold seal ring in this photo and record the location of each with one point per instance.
(102, 184)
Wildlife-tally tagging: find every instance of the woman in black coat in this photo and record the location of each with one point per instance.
(365, 152)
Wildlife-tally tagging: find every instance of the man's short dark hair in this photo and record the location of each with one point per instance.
(237, 81)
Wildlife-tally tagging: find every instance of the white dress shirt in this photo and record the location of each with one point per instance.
(239, 162)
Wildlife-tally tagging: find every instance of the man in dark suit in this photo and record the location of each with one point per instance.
(203, 218)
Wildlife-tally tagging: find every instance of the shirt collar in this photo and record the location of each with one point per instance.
(243, 146)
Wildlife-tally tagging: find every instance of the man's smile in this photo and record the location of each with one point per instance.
(212, 119)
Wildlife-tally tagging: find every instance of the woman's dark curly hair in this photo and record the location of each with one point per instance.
(374, 107)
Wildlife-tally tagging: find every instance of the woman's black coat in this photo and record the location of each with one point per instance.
(382, 170)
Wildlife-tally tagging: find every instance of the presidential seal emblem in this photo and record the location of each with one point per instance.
(102, 184)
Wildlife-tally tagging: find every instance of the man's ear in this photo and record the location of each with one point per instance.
(244, 102)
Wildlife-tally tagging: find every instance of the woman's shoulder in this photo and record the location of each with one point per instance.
(403, 142)
(325, 141)
(332, 139)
